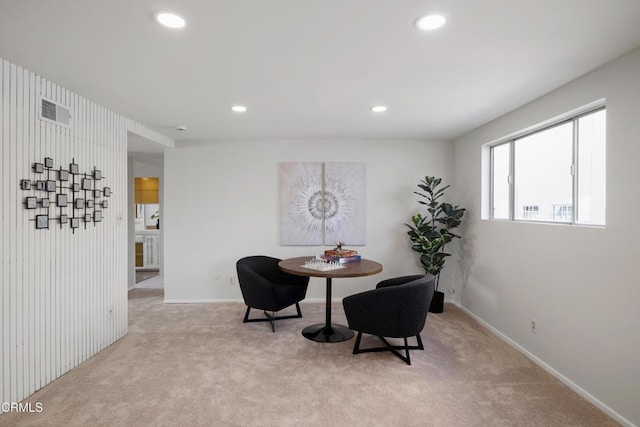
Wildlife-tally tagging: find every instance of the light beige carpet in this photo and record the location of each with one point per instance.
(199, 365)
(143, 276)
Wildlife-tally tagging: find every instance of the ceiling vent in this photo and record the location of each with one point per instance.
(55, 113)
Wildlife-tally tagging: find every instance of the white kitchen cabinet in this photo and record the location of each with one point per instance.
(147, 245)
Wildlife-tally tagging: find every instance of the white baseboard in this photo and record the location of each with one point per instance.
(573, 386)
(216, 300)
(312, 300)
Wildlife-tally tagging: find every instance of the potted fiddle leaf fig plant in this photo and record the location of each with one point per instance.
(431, 232)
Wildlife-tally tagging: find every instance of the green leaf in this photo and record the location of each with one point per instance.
(429, 233)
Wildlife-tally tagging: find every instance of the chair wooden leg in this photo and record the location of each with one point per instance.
(272, 317)
(298, 309)
(246, 315)
(392, 348)
(419, 346)
(356, 348)
(406, 350)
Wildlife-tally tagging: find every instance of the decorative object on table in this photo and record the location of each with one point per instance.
(322, 264)
(342, 260)
(339, 251)
(341, 255)
(66, 186)
(322, 202)
(397, 308)
(266, 287)
(430, 233)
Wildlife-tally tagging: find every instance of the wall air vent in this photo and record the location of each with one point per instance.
(55, 113)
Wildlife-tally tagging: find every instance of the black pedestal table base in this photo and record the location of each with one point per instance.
(322, 333)
(326, 332)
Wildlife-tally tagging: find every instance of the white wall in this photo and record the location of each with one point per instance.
(63, 293)
(222, 203)
(580, 284)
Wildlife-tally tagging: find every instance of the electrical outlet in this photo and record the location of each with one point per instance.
(231, 281)
(452, 291)
(532, 325)
(110, 313)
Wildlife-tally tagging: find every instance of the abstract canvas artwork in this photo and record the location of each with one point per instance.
(322, 203)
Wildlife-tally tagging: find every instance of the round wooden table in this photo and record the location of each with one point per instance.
(328, 332)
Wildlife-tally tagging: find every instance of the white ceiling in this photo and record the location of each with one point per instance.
(145, 150)
(312, 69)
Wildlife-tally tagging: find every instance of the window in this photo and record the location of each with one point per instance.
(563, 213)
(530, 212)
(553, 174)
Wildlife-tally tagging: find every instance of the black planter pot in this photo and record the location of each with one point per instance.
(437, 303)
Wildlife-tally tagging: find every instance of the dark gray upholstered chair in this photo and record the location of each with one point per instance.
(397, 308)
(265, 287)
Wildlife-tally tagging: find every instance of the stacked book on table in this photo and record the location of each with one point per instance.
(343, 256)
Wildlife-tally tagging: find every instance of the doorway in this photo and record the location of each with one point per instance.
(147, 229)
(146, 173)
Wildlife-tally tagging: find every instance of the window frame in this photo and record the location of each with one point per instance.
(492, 207)
(512, 178)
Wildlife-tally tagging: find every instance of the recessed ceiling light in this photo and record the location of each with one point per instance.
(430, 22)
(379, 108)
(170, 20)
(239, 108)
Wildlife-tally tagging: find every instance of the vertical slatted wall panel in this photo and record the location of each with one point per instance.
(4, 273)
(13, 256)
(57, 286)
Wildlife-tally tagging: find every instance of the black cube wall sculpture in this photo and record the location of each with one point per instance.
(66, 196)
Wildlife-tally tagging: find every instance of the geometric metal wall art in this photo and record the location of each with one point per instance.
(75, 197)
(322, 203)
